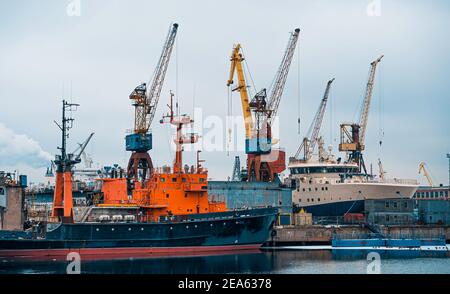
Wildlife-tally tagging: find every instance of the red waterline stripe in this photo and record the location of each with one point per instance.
(126, 252)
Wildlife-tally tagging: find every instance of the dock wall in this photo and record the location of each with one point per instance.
(322, 235)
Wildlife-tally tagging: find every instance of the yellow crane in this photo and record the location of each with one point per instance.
(236, 66)
(425, 173)
(259, 113)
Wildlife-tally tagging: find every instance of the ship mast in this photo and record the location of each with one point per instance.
(62, 199)
(180, 139)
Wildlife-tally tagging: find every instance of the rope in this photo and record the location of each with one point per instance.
(298, 90)
(247, 66)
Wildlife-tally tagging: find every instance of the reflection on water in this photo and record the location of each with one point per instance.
(286, 261)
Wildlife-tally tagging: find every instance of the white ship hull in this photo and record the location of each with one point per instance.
(341, 198)
(327, 189)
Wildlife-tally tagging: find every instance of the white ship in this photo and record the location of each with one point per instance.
(328, 187)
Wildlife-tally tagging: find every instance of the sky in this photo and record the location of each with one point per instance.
(94, 52)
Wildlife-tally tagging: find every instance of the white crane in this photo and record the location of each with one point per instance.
(145, 101)
(311, 139)
(353, 134)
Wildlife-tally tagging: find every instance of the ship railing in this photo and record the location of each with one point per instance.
(395, 181)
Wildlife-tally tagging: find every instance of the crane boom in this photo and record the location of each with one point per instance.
(281, 76)
(426, 174)
(236, 66)
(146, 98)
(158, 79)
(364, 114)
(314, 129)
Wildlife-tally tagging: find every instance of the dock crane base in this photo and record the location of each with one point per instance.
(139, 161)
(265, 168)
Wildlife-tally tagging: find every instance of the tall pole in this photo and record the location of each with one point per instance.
(448, 157)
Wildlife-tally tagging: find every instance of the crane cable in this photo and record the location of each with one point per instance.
(298, 90)
(380, 108)
(230, 110)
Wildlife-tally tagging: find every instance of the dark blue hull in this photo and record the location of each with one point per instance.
(336, 208)
(250, 227)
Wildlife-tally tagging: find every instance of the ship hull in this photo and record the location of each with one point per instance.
(340, 199)
(197, 233)
(336, 208)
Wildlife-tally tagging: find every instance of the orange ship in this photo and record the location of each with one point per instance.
(176, 190)
(173, 216)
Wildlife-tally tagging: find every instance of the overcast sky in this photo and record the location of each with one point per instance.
(112, 46)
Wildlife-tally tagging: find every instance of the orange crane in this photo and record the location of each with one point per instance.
(145, 100)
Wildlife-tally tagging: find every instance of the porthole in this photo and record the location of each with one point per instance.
(142, 229)
(112, 229)
(171, 228)
(129, 229)
(211, 225)
(195, 226)
(97, 229)
(187, 227)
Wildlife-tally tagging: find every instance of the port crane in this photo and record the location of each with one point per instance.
(381, 170)
(236, 176)
(311, 139)
(353, 134)
(259, 112)
(423, 169)
(145, 100)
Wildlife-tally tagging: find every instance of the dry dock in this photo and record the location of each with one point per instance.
(322, 235)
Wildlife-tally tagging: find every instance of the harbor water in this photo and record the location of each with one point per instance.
(324, 261)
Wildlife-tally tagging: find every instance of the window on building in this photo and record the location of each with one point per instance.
(309, 189)
(316, 188)
(174, 180)
(386, 204)
(395, 204)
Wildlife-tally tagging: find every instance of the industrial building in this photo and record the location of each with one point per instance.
(12, 202)
(434, 212)
(390, 211)
(252, 194)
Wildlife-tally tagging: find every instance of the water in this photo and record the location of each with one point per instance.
(276, 262)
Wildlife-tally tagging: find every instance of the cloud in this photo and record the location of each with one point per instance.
(21, 149)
